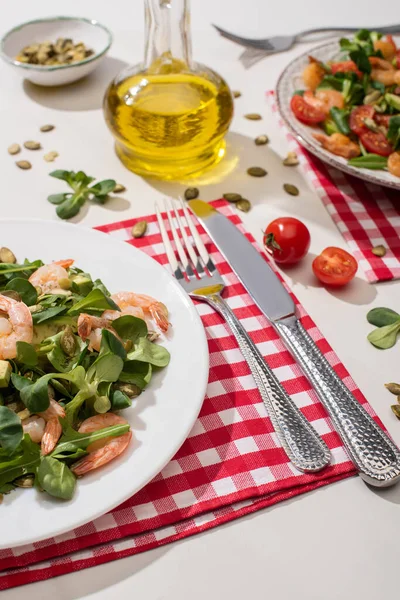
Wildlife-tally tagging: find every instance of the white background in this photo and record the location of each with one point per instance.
(338, 542)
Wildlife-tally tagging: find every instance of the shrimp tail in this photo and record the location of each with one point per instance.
(65, 263)
(102, 456)
(52, 434)
(159, 312)
(84, 326)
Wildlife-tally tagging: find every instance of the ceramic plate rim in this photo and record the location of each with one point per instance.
(369, 176)
(197, 404)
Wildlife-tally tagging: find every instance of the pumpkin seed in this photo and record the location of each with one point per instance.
(236, 94)
(253, 116)
(24, 482)
(257, 172)
(31, 145)
(139, 229)
(191, 193)
(11, 294)
(14, 149)
(61, 52)
(396, 409)
(379, 250)
(291, 189)
(261, 140)
(119, 188)
(6, 256)
(291, 160)
(372, 97)
(50, 156)
(46, 128)
(24, 164)
(68, 342)
(232, 197)
(243, 205)
(394, 388)
(129, 389)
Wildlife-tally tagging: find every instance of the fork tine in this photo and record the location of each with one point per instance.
(198, 243)
(260, 43)
(181, 252)
(174, 264)
(187, 243)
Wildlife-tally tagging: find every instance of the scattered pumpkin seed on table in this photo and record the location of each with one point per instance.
(139, 229)
(393, 388)
(379, 250)
(253, 116)
(261, 140)
(6, 256)
(14, 149)
(396, 409)
(291, 160)
(236, 94)
(119, 188)
(291, 189)
(256, 171)
(46, 128)
(191, 193)
(31, 145)
(232, 197)
(243, 204)
(24, 164)
(50, 156)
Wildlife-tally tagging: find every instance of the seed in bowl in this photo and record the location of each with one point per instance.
(62, 52)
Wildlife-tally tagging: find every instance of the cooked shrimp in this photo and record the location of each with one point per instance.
(387, 47)
(53, 429)
(157, 310)
(397, 77)
(394, 164)
(338, 144)
(48, 276)
(324, 99)
(105, 450)
(313, 74)
(15, 327)
(34, 426)
(91, 327)
(382, 71)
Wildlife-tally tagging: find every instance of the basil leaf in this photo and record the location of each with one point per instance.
(25, 289)
(382, 316)
(26, 354)
(109, 343)
(384, 337)
(11, 432)
(145, 351)
(96, 301)
(56, 478)
(129, 327)
(138, 373)
(23, 462)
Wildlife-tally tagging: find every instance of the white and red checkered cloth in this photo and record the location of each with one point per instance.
(365, 214)
(230, 465)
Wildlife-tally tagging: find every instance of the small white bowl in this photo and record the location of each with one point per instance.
(90, 32)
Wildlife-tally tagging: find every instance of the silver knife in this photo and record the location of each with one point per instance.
(374, 454)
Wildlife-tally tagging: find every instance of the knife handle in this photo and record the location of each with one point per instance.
(306, 450)
(374, 454)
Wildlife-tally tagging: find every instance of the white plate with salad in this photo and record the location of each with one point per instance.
(341, 101)
(97, 387)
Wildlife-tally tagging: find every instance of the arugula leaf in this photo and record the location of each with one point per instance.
(26, 354)
(11, 432)
(24, 462)
(25, 289)
(384, 337)
(94, 303)
(47, 314)
(382, 316)
(56, 478)
(129, 327)
(149, 352)
(72, 440)
(369, 161)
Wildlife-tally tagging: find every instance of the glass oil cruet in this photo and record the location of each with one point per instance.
(168, 115)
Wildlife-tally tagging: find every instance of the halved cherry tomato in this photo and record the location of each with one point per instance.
(335, 266)
(304, 112)
(382, 119)
(287, 240)
(357, 117)
(345, 67)
(376, 143)
(397, 59)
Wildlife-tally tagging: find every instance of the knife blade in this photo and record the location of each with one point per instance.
(373, 452)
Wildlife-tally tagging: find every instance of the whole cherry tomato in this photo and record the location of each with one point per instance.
(287, 240)
(335, 266)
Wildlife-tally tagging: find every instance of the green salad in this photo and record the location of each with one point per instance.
(72, 357)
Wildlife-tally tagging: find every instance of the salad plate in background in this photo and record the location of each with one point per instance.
(160, 418)
(291, 83)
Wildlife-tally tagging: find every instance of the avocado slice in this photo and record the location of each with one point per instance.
(82, 284)
(5, 373)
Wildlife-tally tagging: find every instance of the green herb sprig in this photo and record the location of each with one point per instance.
(387, 324)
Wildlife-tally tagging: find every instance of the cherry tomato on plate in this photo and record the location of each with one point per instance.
(376, 143)
(334, 266)
(304, 112)
(345, 67)
(382, 119)
(357, 117)
(287, 240)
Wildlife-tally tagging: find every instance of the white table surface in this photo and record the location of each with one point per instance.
(340, 541)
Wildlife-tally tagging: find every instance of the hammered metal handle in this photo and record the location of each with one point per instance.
(306, 450)
(372, 451)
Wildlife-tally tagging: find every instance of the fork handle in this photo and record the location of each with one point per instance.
(372, 451)
(306, 450)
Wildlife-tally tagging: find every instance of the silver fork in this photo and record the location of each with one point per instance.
(199, 277)
(280, 43)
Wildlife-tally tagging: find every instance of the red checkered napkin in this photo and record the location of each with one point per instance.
(365, 214)
(230, 465)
